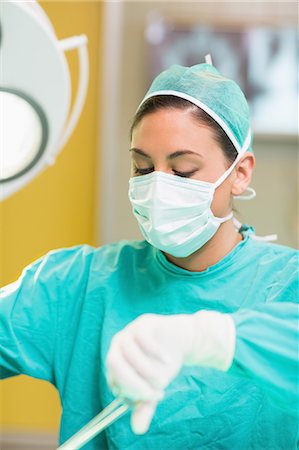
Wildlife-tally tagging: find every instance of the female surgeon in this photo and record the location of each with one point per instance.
(198, 324)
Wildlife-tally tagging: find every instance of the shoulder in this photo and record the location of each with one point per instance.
(274, 254)
(58, 263)
(266, 253)
(279, 265)
(84, 257)
(115, 255)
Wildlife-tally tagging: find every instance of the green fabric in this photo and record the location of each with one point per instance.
(206, 85)
(57, 320)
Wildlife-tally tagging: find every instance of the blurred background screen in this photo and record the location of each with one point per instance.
(262, 60)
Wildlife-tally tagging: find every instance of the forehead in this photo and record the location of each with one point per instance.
(169, 130)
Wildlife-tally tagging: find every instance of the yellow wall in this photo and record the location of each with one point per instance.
(56, 210)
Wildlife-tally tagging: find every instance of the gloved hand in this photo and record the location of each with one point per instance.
(147, 354)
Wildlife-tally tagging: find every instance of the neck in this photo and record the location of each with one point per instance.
(225, 239)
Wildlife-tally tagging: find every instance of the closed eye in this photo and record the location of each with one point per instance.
(147, 170)
(143, 171)
(184, 174)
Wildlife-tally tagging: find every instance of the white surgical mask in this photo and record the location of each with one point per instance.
(174, 213)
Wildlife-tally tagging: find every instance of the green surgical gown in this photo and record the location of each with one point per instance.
(57, 321)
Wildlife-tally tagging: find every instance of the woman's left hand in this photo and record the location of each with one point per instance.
(148, 353)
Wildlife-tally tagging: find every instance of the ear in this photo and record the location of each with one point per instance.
(243, 172)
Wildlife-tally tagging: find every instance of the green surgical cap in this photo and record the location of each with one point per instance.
(218, 96)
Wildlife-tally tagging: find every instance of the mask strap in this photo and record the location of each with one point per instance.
(224, 219)
(268, 238)
(230, 169)
(250, 196)
(254, 237)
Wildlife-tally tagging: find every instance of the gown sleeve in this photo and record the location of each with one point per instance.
(267, 344)
(28, 320)
(30, 310)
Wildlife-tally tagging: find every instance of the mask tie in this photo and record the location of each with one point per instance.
(254, 237)
(250, 196)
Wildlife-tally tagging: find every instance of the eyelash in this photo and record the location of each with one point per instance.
(143, 171)
(151, 169)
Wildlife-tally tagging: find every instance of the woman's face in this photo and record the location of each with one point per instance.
(171, 141)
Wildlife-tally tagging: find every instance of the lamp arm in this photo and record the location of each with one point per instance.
(79, 42)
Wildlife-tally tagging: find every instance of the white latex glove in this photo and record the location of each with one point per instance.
(147, 355)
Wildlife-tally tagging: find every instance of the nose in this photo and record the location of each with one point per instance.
(162, 167)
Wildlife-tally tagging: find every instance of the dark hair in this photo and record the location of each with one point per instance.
(159, 102)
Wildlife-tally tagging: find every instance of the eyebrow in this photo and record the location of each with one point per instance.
(170, 156)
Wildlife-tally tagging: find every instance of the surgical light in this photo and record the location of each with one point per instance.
(23, 130)
(35, 93)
